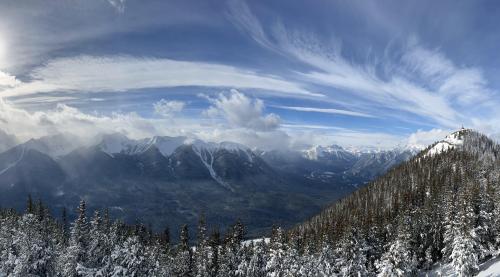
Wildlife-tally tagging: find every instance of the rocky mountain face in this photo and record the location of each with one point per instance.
(334, 164)
(178, 178)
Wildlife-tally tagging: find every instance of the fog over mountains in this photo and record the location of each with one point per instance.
(178, 178)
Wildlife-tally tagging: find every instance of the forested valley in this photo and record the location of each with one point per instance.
(440, 208)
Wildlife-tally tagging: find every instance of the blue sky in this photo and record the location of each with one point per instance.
(268, 74)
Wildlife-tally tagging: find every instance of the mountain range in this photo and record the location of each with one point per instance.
(178, 178)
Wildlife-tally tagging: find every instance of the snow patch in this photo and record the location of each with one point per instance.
(490, 268)
(317, 152)
(207, 158)
(450, 142)
(11, 165)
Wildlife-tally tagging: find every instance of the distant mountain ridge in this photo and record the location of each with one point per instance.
(177, 178)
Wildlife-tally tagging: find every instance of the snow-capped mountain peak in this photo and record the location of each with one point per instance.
(166, 145)
(319, 151)
(451, 141)
(117, 143)
(55, 145)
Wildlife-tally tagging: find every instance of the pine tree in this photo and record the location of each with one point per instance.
(129, 259)
(183, 263)
(99, 248)
(202, 251)
(352, 255)
(275, 266)
(75, 257)
(29, 205)
(213, 264)
(326, 260)
(257, 264)
(463, 256)
(34, 251)
(397, 260)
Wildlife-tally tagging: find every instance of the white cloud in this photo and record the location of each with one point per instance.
(246, 124)
(63, 118)
(67, 119)
(119, 5)
(422, 138)
(168, 108)
(303, 136)
(243, 18)
(122, 73)
(418, 81)
(242, 111)
(465, 84)
(8, 81)
(323, 110)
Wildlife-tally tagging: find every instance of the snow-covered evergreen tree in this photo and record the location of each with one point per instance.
(464, 257)
(275, 266)
(183, 262)
(352, 259)
(397, 260)
(129, 259)
(75, 257)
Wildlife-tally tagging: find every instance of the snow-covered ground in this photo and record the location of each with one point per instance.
(249, 242)
(449, 142)
(490, 268)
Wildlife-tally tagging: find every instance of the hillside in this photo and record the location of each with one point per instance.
(440, 206)
(434, 215)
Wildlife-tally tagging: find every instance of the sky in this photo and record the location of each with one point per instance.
(268, 74)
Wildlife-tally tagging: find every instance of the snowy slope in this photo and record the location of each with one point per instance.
(13, 164)
(207, 151)
(117, 143)
(489, 268)
(331, 151)
(451, 141)
(166, 145)
(55, 145)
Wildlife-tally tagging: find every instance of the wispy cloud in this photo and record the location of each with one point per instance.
(323, 110)
(416, 80)
(122, 73)
(119, 5)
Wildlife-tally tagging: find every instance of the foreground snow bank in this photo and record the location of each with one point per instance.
(489, 268)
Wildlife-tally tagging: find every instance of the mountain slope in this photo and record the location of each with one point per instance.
(24, 171)
(434, 208)
(170, 180)
(7, 141)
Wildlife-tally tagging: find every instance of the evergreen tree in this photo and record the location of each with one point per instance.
(202, 253)
(464, 256)
(213, 264)
(183, 262)
(74, 259)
